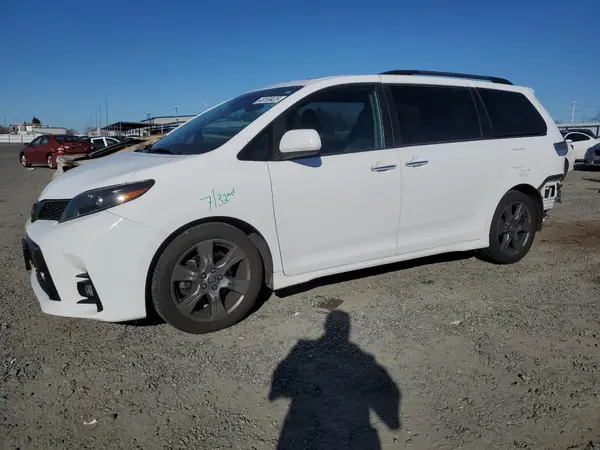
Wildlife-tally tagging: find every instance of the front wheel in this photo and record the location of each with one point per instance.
(50, 162)
(513, 228)
(208, 278)
(24, 161)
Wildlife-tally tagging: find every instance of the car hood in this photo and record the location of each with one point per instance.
(107, 171)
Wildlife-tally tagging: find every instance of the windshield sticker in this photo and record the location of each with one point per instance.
(274, 99)
(218, 199)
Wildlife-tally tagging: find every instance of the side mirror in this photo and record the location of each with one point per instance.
(300, 144)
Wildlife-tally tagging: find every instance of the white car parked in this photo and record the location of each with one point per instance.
(580, 142)
(293, 182)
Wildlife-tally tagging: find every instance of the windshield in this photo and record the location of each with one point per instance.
(215, 127)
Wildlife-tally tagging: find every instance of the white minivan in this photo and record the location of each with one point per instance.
(293, 182)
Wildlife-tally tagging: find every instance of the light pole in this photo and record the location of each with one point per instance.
(106, 109)
(4, 121)
(176, 118)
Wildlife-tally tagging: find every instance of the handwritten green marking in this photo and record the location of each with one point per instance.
(217, 199)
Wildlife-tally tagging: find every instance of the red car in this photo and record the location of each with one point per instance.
(44, 149)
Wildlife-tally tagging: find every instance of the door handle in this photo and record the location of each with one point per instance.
(383, 168)
(416, 163)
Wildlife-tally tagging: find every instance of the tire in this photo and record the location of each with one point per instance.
(192, 292)
(49, 163)
(520, 232)
(23, 160)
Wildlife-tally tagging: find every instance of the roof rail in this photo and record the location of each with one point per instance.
(447, 74)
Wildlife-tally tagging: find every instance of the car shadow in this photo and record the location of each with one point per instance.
(593, 180)
(333, 386)
(373, 271)
(266, 293)
(586, 168)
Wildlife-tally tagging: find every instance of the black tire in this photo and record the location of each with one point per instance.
(49, 162)
(518, 245)
(23, 160)
(165, 292)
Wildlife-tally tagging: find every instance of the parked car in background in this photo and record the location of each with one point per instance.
(44, 149)
(101, 142)
(65, 163)
(580, 141)
(592, 156)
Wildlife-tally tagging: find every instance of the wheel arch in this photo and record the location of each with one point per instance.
(535, 195)
(255, 236)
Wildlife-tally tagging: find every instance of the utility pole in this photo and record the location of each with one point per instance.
(573, 113)
(106, 109)
(4, 121)
(176, 118)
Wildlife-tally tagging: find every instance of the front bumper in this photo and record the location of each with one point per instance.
(115, 254)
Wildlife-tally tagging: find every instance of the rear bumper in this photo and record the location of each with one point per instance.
(115, 254)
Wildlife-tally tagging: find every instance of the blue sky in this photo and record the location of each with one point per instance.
(61, 59)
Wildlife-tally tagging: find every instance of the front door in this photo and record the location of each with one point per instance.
(343, 206)
(30, 150)
(42, 150)
(448, 174)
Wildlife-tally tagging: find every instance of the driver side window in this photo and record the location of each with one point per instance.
(35, 142)
(347, 119)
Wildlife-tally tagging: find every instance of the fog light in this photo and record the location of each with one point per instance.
(86, 289)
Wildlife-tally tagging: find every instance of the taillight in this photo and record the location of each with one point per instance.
(562, 148)
(60, 150)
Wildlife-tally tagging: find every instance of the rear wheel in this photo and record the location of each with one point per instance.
(513, 228)
(50, 161)
(208, 278)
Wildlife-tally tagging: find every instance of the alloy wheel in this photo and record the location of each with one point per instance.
(23, 161)
(210, 280)
(515, 228)
(49, 161)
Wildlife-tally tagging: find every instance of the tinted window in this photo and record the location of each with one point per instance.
(347, 119)
(98, 144)
(512, 114)
(216, 126)
(64, 138)
(35, 142)
(435, 114)
(44, 140)
(257, 149)
(577, 137)
(110, 141)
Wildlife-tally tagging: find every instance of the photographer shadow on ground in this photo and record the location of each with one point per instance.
(333, 385)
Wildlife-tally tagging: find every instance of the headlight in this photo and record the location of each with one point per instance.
(96, 200)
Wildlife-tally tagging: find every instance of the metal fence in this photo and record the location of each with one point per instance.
(17, 138)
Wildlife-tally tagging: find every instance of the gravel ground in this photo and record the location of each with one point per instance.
(444, 353)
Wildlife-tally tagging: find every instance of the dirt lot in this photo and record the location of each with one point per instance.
(475, 355)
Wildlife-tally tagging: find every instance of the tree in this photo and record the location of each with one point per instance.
(596, 118)
(71, 132)
(36, 121)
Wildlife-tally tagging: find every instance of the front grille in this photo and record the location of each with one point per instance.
(48, 209)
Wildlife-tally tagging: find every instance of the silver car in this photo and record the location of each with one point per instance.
(592, 156)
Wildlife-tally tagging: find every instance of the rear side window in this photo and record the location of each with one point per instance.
(512, 114)
(435, 114)
(577, 137)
